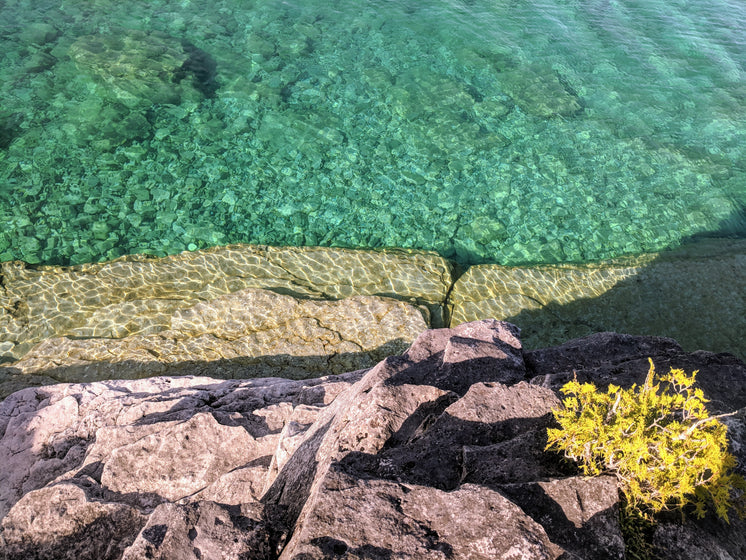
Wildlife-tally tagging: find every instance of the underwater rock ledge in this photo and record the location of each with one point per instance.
(125, 318)
(435, 453)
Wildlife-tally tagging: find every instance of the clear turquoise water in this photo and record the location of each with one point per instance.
(505, 131)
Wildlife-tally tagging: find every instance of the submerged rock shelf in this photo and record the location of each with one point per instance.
(696, 295)
(309, 311)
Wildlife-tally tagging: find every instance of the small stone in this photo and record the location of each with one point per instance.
(29, 245)
(100, 230)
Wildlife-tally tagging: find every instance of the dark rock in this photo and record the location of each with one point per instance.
(206, 530)
(622, 359)
(579, 514)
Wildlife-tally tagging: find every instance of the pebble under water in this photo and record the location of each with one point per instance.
(505, 132)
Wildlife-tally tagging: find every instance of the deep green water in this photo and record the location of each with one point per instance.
(502, 131)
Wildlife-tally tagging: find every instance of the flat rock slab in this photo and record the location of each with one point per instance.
(139, 295)
(696, 295)
(244, 334)
(437, 453)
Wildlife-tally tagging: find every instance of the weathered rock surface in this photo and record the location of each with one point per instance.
(438, 453)
(204, 529)
(655, 294)
(249, 333)
(111, 452)
(139, 295)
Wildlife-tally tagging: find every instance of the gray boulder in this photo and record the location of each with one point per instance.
(437, 453)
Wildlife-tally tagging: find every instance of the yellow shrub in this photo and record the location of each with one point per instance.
(658, 439)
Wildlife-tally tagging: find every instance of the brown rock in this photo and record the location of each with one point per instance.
(249, 333)
(138, 295)
(181, 459)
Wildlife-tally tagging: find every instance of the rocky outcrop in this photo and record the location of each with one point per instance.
(437, 453)
(656, 294)
(249, 333)
(139, 295)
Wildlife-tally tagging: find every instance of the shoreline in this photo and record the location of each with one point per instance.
(65, 317)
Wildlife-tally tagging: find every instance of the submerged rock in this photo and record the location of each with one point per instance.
(133, 70)
(136, 67)
(656, 294)
(249, 333)
(539, 91)
(438, 453)
(138, 294)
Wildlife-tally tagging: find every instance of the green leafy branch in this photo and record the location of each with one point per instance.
(657, 439)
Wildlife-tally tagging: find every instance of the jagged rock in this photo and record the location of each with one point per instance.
(95, 430)
(437, 453)
(62, 521)
(579, 514)
(447, 396)
(249, 333)
(654, 294)
(206, 530)
(374, 518)
(139, 295)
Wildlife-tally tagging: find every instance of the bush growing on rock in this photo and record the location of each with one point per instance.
(657, 439)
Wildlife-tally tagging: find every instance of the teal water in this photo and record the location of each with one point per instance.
(506, 131)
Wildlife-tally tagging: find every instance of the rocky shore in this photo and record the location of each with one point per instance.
(436, 453)
(296, 403)
(298, 312)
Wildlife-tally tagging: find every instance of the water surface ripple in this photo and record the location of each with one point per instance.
(490, 131)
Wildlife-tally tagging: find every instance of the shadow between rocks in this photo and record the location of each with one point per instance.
(335, 548)
(453, 451)
(722, 377)
(507, 457)
(515, 466)
(286, 366)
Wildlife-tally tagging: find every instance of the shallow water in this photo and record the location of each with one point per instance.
(490, 131)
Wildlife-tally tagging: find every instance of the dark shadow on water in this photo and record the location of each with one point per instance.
(9, 128)
(201, 67)
(733, 227)
(685, 294)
